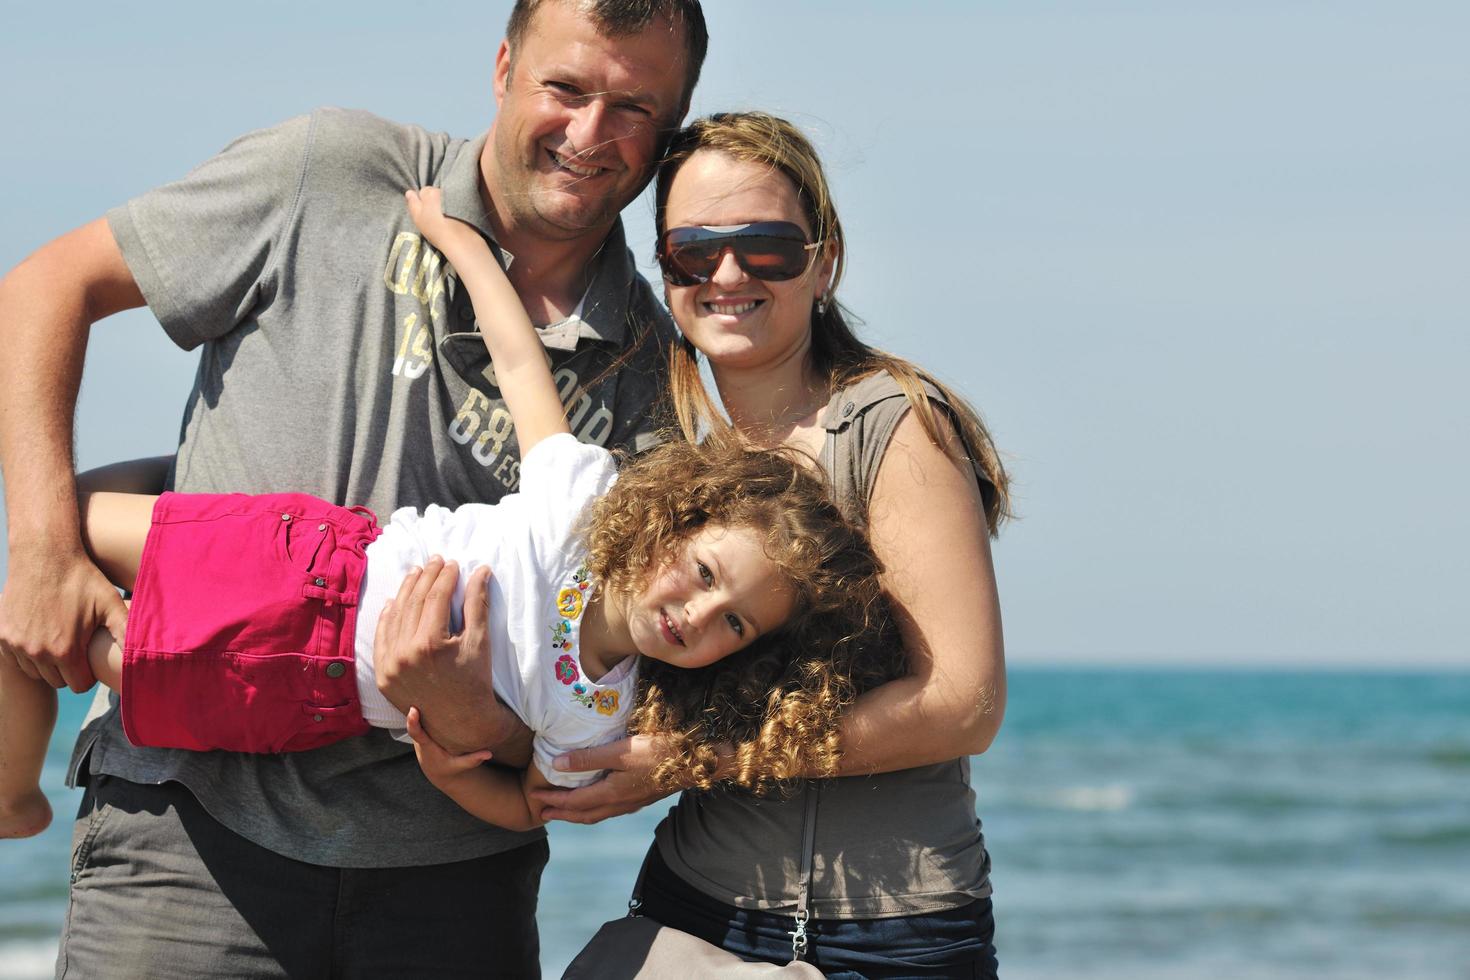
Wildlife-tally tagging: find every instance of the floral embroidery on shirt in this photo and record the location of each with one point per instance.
(571, 602)
(606, 702)
(566, 669)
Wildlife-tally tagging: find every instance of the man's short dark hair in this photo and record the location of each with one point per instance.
(624, 18)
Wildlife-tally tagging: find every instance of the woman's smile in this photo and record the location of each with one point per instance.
(730, 308)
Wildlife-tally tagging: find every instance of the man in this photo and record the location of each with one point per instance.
(339, 358)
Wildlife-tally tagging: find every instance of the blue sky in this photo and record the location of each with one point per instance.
(1201, 265)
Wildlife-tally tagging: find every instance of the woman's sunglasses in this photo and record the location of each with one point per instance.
(770, 250)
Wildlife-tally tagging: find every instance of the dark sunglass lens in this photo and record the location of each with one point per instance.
(773, 250)
(772, 259)
(695, 262)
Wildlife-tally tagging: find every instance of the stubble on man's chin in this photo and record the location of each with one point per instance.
(557, 225)
(537, 212)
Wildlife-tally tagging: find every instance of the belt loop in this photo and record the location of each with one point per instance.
(329, 596)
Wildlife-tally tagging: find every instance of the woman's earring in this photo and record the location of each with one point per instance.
(822, 305)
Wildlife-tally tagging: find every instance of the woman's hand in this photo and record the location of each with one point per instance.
(449, 235)
(628, 785)
(441, 766)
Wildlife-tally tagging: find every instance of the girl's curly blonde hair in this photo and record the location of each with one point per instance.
(777, 702)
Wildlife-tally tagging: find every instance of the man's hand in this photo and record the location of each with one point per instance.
(626, 787)
(53, 602)
(418, 662)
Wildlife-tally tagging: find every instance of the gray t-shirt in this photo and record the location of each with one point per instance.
(896, 843)
(340, 359)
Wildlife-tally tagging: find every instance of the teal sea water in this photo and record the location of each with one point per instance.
(1143, 824)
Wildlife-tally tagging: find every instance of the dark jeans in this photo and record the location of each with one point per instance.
(160, 890)
(953, 943)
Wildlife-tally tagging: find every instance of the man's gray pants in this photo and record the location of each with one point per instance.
(161, 890)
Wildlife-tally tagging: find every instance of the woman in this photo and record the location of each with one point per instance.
(752, 253)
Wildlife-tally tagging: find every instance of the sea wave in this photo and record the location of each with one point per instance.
(1108, 798)
(1237, 797)
(1455, 835)
(1395, 917)
(28, 960)
(1450, 756)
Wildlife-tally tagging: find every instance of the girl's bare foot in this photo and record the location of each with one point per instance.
(25, 815)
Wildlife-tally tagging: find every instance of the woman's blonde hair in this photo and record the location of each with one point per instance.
(777, 701)
(837, 355)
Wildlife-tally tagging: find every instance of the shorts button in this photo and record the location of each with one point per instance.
(319, 582)
(316, 717)
(336, 669)
(321, 527)
(285, 517)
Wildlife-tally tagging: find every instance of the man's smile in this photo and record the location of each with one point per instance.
(561, 162)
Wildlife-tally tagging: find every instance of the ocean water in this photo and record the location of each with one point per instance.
(1143, 824)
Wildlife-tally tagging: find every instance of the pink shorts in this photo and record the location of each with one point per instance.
(240, 635)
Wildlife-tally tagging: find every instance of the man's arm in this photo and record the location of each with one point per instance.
(55, 597)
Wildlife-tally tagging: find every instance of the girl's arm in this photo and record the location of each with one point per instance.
(519, 357)
(491, 793)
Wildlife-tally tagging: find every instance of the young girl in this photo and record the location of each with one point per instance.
(252, 618)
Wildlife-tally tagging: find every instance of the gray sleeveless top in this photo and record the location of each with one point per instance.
(898, 843)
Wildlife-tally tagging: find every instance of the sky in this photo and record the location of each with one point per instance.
(1202, 266)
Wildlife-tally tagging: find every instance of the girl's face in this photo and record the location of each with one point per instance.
(716, 594)
(738, 321)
